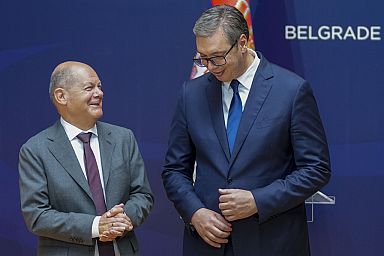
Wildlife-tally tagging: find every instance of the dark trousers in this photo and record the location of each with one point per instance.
(228, 250)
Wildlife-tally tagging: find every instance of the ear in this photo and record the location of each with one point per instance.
(60, 96)
(243, 42)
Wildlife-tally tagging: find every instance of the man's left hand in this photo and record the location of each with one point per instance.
(114, 223)
(236, 204)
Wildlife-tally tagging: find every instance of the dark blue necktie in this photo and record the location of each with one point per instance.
(234, 115)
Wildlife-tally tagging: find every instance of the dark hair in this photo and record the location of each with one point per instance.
(230, 19)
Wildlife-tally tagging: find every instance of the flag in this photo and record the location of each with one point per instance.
(244, 7)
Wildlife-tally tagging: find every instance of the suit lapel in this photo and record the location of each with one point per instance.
(214, 98)
(62, 150)
(106, 147)
(261, 86)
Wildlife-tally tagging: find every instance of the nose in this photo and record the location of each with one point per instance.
(98, 92)
(210, 65)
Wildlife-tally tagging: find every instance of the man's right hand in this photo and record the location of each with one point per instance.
(211, 226)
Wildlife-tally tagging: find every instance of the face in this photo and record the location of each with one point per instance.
(218, 45)
(84, 98)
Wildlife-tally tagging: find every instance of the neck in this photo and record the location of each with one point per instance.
(248, 59)
(81, 124)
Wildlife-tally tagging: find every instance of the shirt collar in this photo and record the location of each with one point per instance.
(246, 78)
(72, 131)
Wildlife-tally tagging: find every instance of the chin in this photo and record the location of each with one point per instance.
(223, 77)
(97, 115)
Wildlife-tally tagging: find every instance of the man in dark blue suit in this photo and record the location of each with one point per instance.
(254, 131)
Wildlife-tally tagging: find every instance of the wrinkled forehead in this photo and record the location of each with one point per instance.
(209, 46)
(213, 44)
(86, 74)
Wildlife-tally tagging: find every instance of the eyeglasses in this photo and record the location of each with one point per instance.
(215, 60)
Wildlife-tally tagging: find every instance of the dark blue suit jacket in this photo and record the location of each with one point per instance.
(280, 155)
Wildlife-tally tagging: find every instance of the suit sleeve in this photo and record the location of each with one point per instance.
(140, 198)
(179, 164)
(311, 158)
(40, 218)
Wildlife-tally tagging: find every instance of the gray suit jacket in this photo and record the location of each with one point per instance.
(56, 200)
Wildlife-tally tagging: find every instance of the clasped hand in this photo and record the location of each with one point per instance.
(215, 228)
(236, 204)
(114, 223)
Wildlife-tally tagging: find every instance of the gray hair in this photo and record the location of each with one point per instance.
(61, 78)
(230, 19)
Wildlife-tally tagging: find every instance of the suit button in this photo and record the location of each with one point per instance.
(229, 180)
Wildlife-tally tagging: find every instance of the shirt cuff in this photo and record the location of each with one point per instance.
(95, 227)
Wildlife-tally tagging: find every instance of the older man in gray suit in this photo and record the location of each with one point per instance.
(83, 185)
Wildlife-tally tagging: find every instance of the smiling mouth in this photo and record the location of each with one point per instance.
(218, 73)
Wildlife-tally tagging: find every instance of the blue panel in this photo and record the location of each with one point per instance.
(142, 52)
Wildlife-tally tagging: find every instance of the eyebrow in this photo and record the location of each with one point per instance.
(215, 54)
(92, 83)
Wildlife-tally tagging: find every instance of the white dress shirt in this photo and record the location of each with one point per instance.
(77, 145)
(245, 83)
